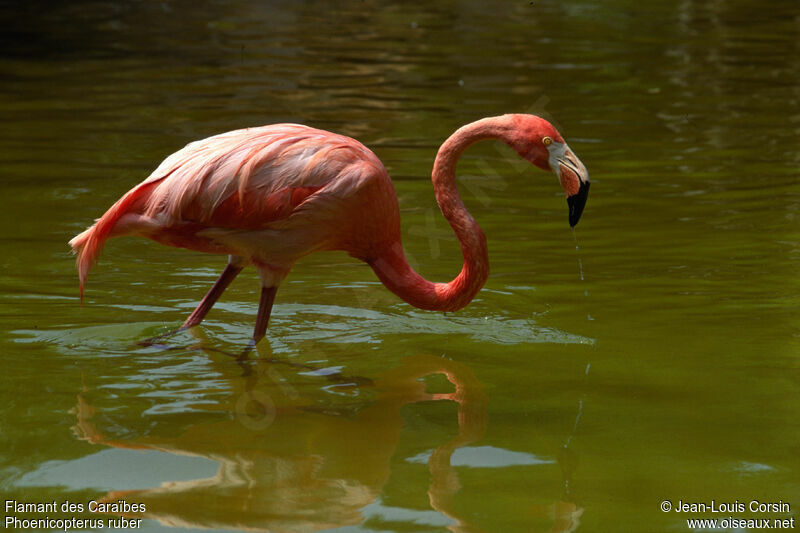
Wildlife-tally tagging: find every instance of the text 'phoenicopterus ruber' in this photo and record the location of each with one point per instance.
(268, 196)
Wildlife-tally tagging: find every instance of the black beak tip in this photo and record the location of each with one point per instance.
(577, 202)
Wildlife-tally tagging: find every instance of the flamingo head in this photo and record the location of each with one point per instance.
(540, 143)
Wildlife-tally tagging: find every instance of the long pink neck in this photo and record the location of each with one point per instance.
(392, 267)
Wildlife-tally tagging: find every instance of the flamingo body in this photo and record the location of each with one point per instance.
(270, 195)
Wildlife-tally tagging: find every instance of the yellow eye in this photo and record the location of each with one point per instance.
(547, 141)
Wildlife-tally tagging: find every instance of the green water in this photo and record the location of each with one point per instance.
(651, 355)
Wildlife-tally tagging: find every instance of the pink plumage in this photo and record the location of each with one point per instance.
(267, 196)
(215, 195)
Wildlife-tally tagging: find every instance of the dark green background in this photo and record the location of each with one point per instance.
(658, 361)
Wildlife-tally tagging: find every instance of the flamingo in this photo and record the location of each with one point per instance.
(269, 195)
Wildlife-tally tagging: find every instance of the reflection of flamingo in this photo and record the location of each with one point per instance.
(304, 470)
(273, 194)
(285, 465)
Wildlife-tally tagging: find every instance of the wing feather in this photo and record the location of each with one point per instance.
(239, 180)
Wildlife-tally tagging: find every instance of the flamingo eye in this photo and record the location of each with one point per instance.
(547, 141)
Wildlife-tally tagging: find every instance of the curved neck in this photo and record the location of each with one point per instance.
(392, 267)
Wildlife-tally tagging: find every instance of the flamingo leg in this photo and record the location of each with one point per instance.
(264, 310)
(231, 271)
(262, 319)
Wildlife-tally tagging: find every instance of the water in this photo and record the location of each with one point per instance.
(664, 367)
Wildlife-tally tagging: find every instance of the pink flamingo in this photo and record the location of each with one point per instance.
(268, 196)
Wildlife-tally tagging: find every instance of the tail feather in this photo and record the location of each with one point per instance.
(88, 244)
(85, 258)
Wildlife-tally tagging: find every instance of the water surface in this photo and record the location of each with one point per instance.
(652, 354)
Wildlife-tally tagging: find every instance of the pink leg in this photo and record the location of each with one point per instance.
(200, 312)
(205, 305)
(264, 310)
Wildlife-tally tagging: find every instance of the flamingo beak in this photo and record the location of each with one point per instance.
(576, 203)
(575, 179)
